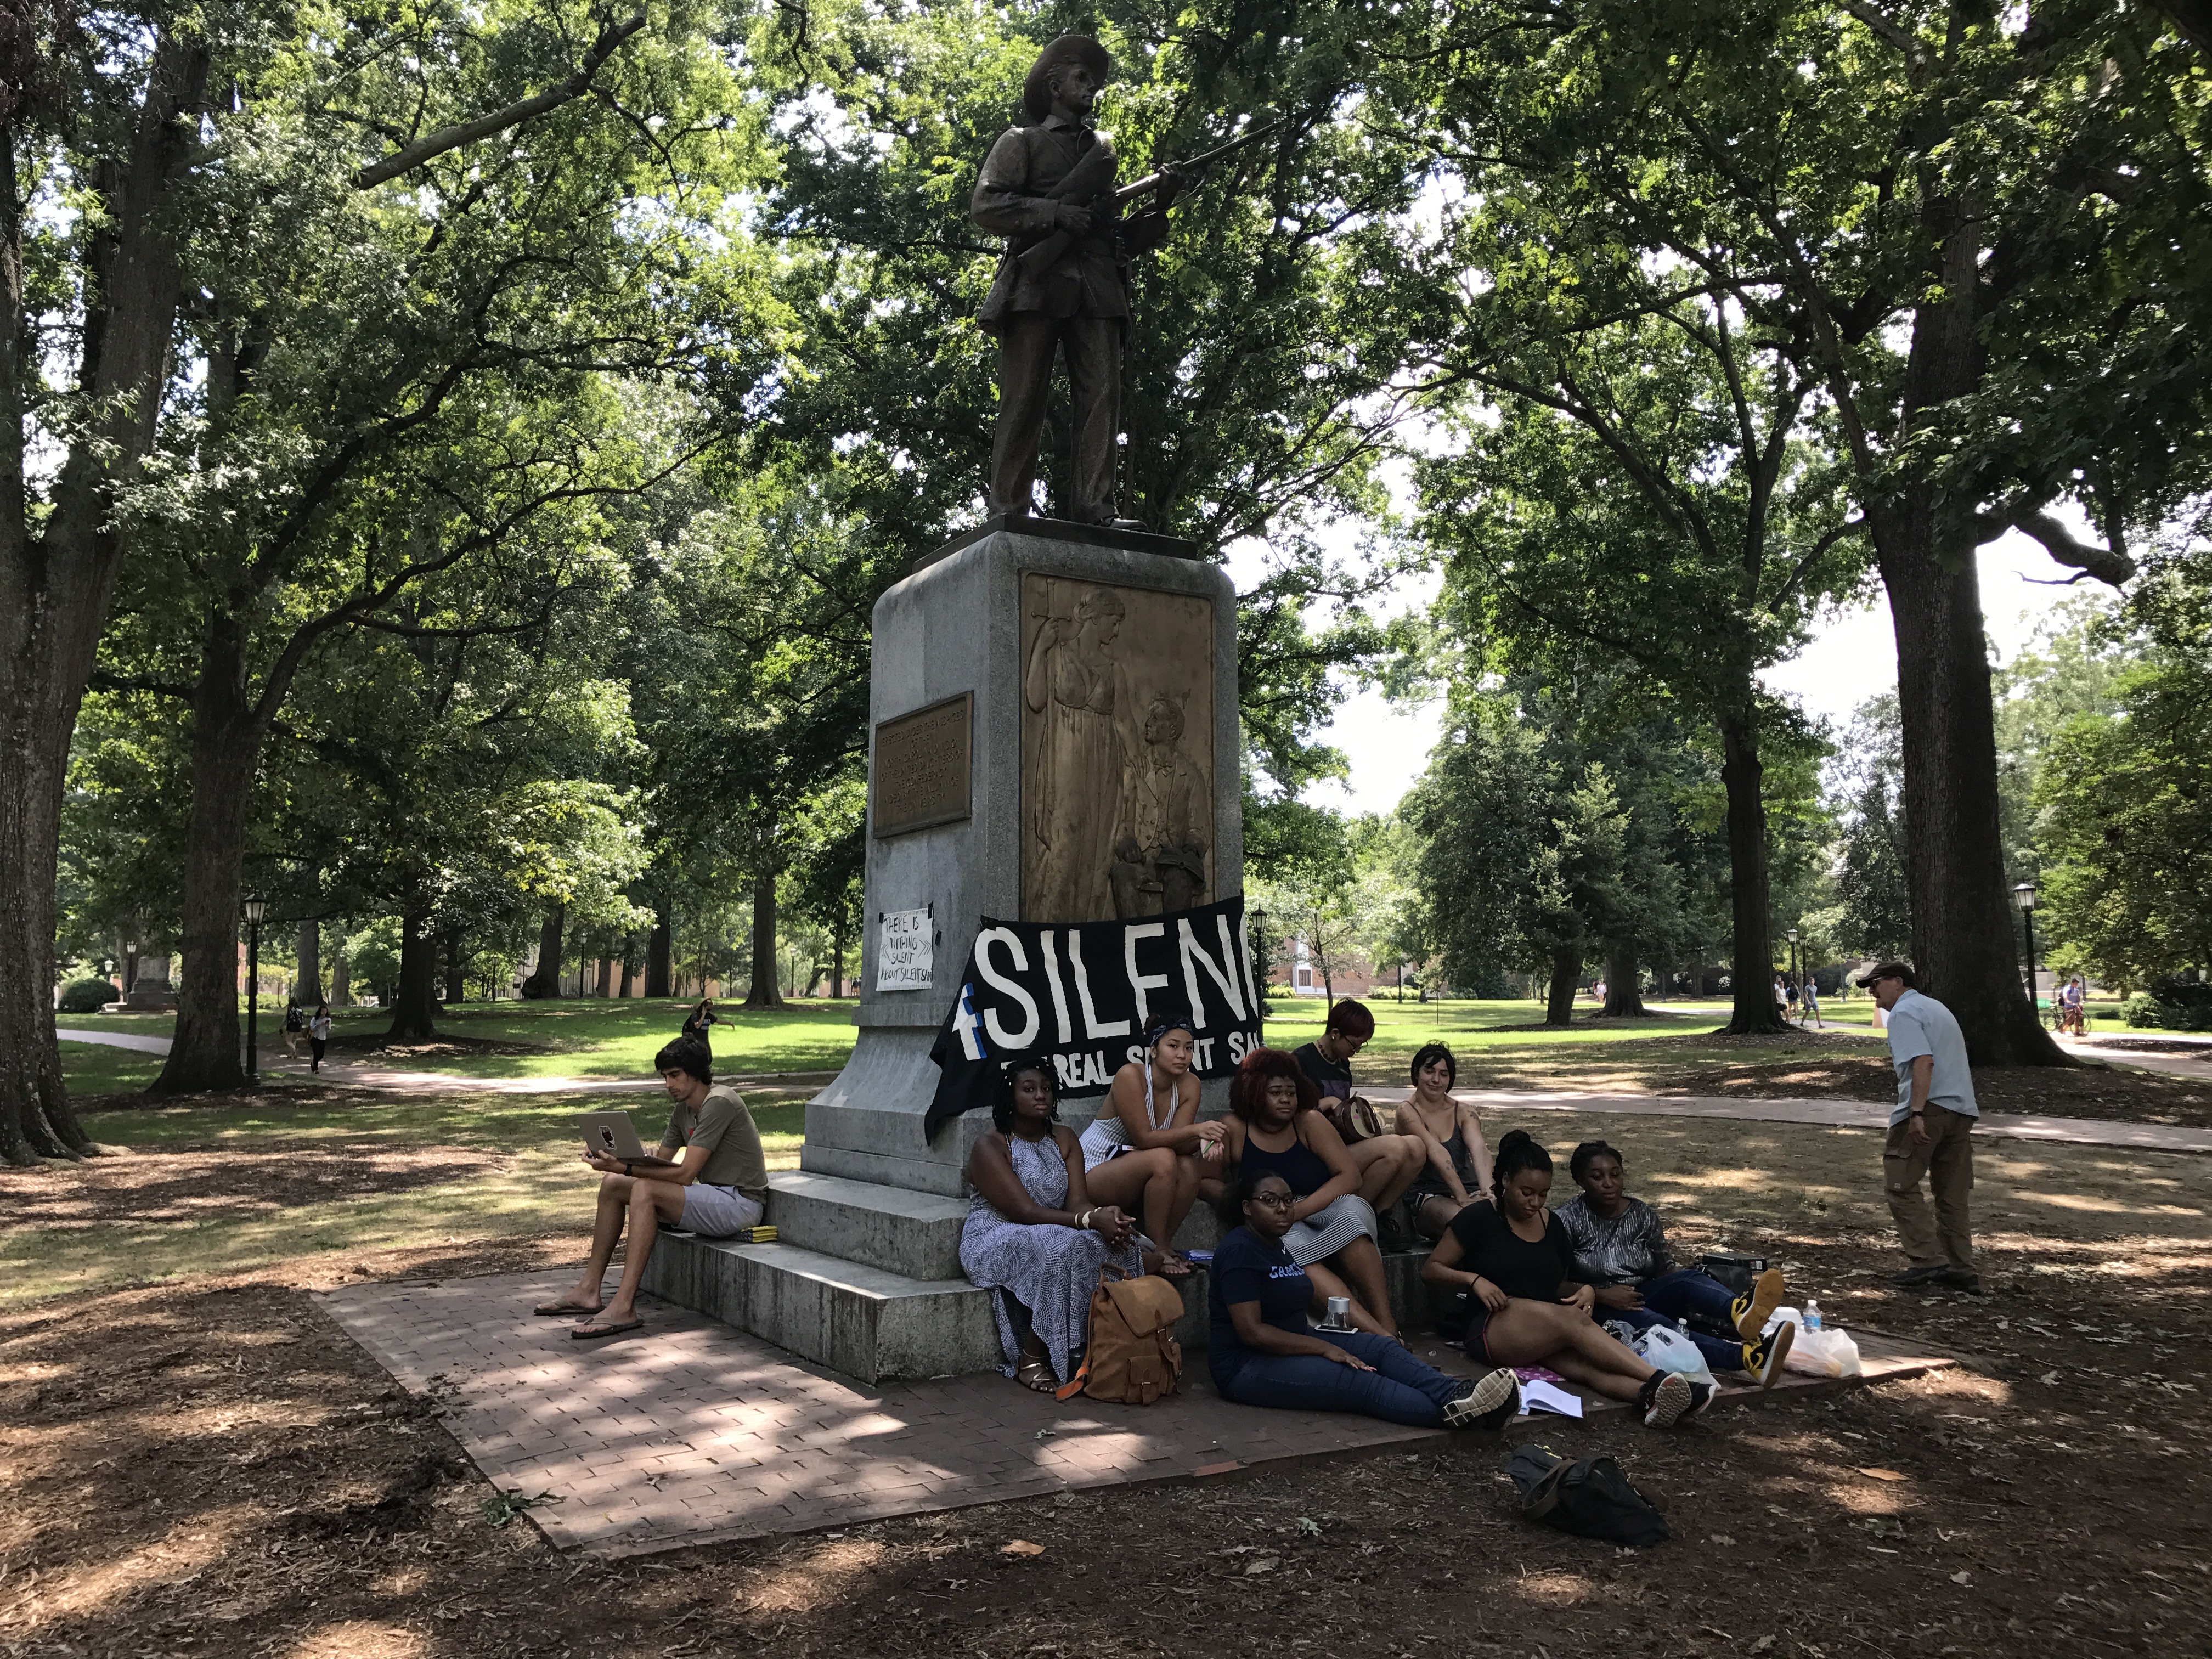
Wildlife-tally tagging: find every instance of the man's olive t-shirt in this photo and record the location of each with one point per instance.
(725, 1128)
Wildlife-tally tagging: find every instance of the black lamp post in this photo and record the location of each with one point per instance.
(256, 909)
(1791, 935)
(2024, 897)
(1259, 973)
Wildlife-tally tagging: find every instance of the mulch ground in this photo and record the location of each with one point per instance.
(2106, 1092)
(213, 1468)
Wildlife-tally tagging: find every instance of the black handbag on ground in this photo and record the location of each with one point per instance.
(1589, 1498)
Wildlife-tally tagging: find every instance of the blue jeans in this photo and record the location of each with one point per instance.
(1400, 1389)
(1696, 1297)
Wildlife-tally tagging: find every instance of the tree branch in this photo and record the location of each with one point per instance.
(2103, 564)
(610, 37)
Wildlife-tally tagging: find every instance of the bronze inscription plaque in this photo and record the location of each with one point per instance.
(1117, 751)
(922, 767)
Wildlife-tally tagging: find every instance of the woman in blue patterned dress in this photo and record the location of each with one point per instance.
(1032, 1233)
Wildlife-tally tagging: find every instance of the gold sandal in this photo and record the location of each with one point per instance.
(1034, 1371)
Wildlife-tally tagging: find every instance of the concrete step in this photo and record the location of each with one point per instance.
(915, 1234)
(871, 1322)
(866, 1321)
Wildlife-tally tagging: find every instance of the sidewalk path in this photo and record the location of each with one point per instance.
(1833, 1114)
(1830, 1114)
(144, 1045)
(689, 1432)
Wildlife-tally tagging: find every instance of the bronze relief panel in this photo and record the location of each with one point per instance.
(1117, 751)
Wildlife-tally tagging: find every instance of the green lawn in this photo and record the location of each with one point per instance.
(1599, 1055)
(588, 1038)
(93, 1068)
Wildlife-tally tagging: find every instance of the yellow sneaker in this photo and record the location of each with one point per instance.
(1763, 1359)
(1750, 1312)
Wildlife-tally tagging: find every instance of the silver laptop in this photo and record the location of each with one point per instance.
(611, 1132)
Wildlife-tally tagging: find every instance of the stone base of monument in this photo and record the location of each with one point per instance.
(975, 659)
(866, 1280)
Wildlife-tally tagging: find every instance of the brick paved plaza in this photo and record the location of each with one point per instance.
(688, 1431)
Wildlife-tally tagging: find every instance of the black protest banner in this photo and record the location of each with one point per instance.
(1082, 993)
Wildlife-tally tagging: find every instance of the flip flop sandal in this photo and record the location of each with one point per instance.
(560, 1309)
(593, 1332)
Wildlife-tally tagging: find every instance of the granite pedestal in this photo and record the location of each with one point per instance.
(865, 1275)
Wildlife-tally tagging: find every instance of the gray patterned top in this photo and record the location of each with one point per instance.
(1627, 1249)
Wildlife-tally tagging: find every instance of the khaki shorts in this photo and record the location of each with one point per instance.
(718, 1211)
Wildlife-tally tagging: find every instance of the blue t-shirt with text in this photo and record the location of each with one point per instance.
(1249, 1268)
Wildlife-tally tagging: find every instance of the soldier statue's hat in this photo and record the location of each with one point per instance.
(1037, 91)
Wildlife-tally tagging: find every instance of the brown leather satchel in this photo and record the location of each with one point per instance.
(1356, 1119)
(1131, 1357)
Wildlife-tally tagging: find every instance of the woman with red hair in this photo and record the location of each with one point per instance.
(1274, 1126)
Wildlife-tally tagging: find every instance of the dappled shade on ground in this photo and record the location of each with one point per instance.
(208, 1467)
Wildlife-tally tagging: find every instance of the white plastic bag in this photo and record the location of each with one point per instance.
(1669, 1350)
(1824, 1352)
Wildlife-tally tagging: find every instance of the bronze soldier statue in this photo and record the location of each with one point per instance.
(1049, 188)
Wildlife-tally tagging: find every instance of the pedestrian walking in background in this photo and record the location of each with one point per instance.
(696, 1022)
(1813, 1005)
(1930, 1133)
(318, 1034)
(296, 1025)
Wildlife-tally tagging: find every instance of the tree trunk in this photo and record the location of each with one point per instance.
(1963, 943)
(340, 979)
(309, 987)
(1751, 948)
(57, 578)
(657, 950)
(544, 979)
(455, 991)
(762, 991)
(1624, 998)
(1566, 974)
(415, 1004)
(204, 1052)
(837, 960)
(607, 987)
(1965, 939)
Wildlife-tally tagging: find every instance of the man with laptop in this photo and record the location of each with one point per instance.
(707, 1177)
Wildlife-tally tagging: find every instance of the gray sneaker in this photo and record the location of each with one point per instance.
(1486, 1403)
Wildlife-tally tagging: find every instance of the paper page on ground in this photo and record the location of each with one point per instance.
(1544, 1397)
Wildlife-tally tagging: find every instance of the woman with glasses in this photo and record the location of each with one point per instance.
(1262, 1350)
(1274, 1125)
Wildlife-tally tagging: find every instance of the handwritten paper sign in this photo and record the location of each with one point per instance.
(903, 951)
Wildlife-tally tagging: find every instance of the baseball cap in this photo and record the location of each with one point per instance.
(1885, 971)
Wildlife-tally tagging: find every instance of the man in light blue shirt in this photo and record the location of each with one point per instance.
(1930, 1133)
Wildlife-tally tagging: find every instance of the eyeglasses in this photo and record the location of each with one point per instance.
(1276, 1200)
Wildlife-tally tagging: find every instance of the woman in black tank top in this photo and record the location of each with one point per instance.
(1450, 1133)
(1508, 1261)
(1274, 1125)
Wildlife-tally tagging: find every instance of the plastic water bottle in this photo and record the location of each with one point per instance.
(1812, 1315)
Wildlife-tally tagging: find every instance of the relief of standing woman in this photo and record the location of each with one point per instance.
(1074, 680)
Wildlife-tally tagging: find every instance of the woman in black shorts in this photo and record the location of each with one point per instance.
(1508, 1265)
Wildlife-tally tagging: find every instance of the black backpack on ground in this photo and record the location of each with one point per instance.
(1589, 1498)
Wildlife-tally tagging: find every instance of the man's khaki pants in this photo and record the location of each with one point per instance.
(1947, 1158)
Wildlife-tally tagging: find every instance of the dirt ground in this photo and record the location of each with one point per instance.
(2105, 1092)
(211, 1468)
